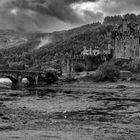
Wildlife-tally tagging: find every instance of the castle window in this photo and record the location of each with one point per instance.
(124, 46)
(139, 40)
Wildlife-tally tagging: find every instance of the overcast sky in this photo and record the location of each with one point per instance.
(53, 15)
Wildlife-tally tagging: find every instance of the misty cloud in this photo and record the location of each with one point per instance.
(91, 16)
(51, 15)
(111, 7)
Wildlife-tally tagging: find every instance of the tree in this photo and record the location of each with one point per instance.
(107, 72)
(79, 67)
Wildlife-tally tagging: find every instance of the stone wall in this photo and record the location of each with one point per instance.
(126, 42)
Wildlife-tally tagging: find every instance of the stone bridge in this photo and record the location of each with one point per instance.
(16, 76)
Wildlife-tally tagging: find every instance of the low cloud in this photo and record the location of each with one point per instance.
(44, 42)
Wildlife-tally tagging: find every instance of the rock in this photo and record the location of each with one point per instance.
(125, 74)
(1, 114)
(132, 79)
(123, 79)
(4, 127)
(5, 118)
(24, 107)
(121, 86)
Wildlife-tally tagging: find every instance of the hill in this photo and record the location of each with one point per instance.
(37, 50)
(9, 38)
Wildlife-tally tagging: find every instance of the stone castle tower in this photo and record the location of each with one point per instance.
(126, 41)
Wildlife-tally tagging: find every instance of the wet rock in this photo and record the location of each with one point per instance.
(1, 103)
(50, 90)
(123, 79)
(24, 107)
(1, 114)
(13, 94)
(121, 87)
(3, 98)
(70, 80)
(125, 74)
(44, 92)
(4, 127)
(24, 122)
(132, 79)
(68, 91)
(5, 118)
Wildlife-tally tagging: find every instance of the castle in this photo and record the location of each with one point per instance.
(90, 51)
(96, 51)
(126, 40)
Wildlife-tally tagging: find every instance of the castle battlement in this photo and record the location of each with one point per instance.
(126, 38)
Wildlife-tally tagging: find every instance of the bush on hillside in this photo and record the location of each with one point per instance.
(91, 67)
(107, 72)
(98, 76)
(16, 66)
(125, 66)
(134, 66)
(51, 77)
(79, 67)
(121, 63)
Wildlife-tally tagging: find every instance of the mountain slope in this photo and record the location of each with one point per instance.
(20, 50)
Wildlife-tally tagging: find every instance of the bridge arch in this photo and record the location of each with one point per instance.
(16, 77)
(30, 80)
(14, 81)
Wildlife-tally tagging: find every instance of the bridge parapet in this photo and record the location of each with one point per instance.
(16, 77)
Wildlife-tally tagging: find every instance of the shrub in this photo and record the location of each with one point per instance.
(121, 63)
(91, 68)
(99, 76)
(107, 72)
(79, 67)
(134, 66)
(125, 66)
(51, 77)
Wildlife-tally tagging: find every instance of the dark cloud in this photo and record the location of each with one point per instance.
(36, 15)
(57, 8)
(51, 15)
